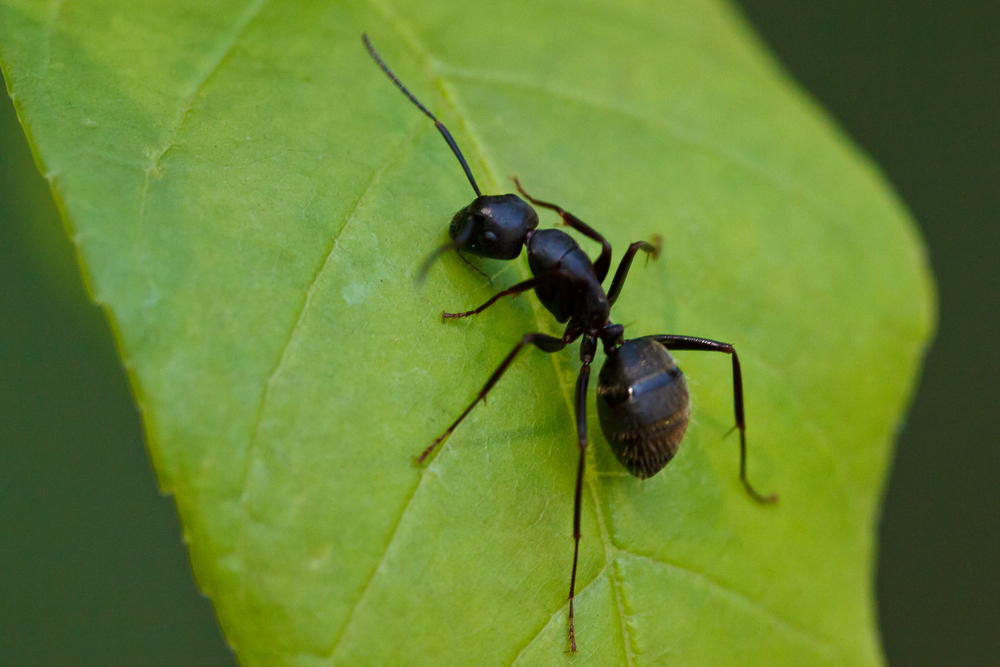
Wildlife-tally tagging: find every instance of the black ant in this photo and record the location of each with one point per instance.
(642, 397)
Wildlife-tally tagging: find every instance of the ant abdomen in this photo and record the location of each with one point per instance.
(643, 405)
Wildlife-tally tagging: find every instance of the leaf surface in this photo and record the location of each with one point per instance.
(251, 200)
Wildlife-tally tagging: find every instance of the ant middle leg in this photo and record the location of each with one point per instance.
(542, 341)
(603, 262)
(523, 286)
(706, 345)
(652, 250)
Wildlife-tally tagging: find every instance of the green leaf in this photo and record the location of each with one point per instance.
(251, 200)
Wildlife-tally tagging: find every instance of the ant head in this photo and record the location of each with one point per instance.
(493, 226)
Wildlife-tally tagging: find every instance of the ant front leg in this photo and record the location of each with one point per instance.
(541, 341)
(515, 290)
(706, 345)
(587, 348)
(651, 249)
(603, 262)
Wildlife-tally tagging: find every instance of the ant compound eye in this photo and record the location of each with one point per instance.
(490, 236)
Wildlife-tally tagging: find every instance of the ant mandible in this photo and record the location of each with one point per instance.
(642, 397)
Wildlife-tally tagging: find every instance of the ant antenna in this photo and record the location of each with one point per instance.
(438, 124)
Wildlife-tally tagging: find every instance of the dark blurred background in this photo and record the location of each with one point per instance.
(92, 568)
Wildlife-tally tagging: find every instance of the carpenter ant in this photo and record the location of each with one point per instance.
(642, 397)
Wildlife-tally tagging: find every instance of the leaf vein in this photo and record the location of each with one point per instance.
(364, 592)
(254, 445)
(55, 9)
(579, 99)
(610, 553)
(672, 130)
(557, 612)
(225, 47)
(820, 644)
(307, 300)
